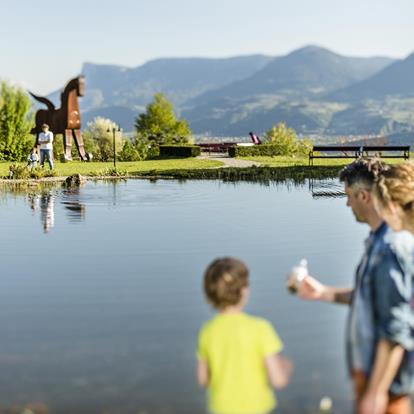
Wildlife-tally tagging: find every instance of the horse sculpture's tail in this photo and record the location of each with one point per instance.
(44, 100)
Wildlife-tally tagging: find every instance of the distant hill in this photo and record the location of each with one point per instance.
(396, 79)
(406, 138)
(307, 71)
(312, 89)
(118, 91)
(179, 78)
(288, 89)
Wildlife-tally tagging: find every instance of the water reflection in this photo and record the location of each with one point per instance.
(96, 334)
(74, 200)
(75, 209)
(44, 202)
(34, 202)
(329, 188)
(47, 211)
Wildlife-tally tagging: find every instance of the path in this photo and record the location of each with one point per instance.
(229, 162)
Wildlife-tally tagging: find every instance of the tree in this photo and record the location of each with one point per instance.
(134, 150)
(160, 125)
(99, 142)
(16, 121)
(286, 140)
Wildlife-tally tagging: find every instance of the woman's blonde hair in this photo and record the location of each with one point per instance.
(396, 185)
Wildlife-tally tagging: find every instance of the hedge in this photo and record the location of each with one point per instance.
(262, 150)
(181, 151)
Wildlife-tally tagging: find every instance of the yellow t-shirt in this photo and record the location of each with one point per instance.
(234, 347)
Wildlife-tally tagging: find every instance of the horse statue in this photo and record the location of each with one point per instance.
(64, 120)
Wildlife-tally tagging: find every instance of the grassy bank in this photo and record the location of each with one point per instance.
(99, 168)
(262, 174)
(304, 161)
(296, 161)
(270, 169)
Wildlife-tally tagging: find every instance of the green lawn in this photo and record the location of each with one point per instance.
(94, 168)
(303, 161)
(180, 166)
(282, 161)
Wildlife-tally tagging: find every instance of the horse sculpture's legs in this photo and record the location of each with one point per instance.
(67, 138)
(79, 143)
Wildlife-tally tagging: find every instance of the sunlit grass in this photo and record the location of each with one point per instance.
(94, 168)
(182, 166)
(303, 161)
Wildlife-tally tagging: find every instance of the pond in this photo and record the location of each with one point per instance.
(101, 299)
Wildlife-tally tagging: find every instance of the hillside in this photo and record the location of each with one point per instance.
(396, 79)
(179, 78)
(308, 71)
(314, 90)
(289, 89)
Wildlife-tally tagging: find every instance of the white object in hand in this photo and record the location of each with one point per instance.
(297, 274)
(325, 406)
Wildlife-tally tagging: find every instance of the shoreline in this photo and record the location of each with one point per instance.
(250, 174)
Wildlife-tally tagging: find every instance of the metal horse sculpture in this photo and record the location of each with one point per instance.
(64, 120)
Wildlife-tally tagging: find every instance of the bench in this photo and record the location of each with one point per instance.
(356, 151)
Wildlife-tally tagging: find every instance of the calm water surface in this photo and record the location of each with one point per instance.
(101, 301)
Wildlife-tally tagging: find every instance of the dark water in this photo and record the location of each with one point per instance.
(100, 298)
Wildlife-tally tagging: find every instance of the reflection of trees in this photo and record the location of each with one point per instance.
(34, 201)
(75, 209)
(330, 188)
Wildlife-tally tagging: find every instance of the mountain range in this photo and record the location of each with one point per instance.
(314, 90)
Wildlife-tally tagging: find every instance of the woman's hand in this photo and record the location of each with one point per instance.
(373, 403)
(311, 289)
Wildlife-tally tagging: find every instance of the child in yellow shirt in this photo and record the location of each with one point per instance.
(238, 354)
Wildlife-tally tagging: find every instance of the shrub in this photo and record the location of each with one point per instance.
(41, 173)
(22, 172)
(304, 147)
(263, 150)
(269, 150)
(153, 152)
(130, 152)
(136, 149)
(286, 141)
(19, 171)
(16, 121)
(179, 151)
(99, 142)
(279, 140)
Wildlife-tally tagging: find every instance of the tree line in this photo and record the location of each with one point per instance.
(158, 125)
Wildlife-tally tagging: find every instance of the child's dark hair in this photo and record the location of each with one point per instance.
(224, 281)
(364, 171)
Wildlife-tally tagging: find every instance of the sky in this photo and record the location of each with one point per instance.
(44, 43)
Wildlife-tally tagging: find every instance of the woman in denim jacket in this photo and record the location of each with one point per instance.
(393, 310)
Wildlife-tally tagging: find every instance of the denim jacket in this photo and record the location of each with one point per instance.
(382, 304)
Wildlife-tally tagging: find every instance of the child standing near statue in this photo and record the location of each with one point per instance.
(238, 355)
(33, 158)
